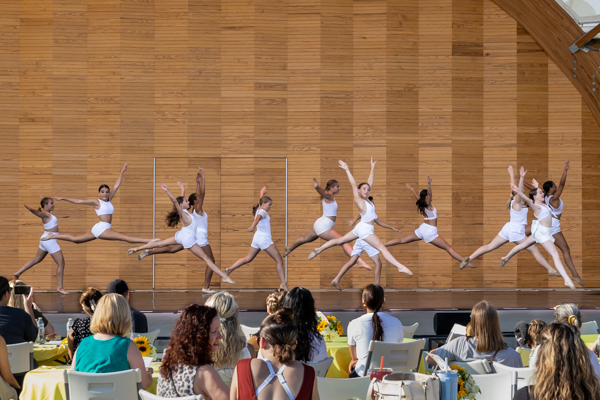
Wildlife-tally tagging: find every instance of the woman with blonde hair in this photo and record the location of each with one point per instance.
(16, 301)
(81, 326)
(109, 349)
(563, 368)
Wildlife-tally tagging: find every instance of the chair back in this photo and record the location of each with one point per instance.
(343, 389)
(589, 328)
(321, 367)
(477, 367)
(457, 331)
(108, 386)
(151, 336)
(496, 386)
(409, 331)
(248, 331)
(149, 396)
(397, 356)
(20, 357)
(524, 375)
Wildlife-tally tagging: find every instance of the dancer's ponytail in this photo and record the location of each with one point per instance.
(422, 202)
(330, 183)
(263, 200)
(43, 203)
(513, 194)
(373, 297)
(173, 217)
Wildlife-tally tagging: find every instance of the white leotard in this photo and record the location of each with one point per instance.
(106, 208)
(430, 214)
(330, 209)
(52, 224)
(518, 217)
(264, 225)
(369, 214)
(555, 211)
(544, 212)
(201, 222)
(191, 228)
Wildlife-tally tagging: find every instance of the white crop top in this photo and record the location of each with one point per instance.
(430, 214)
(53, 222)
(330, 209)
(518, 217)
(264, 225)
(544, 212)
(369, 214)
(106, 208)
(191, 228)
(201, 221)
(555, 211)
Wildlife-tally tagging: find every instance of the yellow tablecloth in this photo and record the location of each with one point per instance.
(51, 355)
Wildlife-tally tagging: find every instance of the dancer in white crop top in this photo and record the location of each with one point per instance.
(186, 236)
(428, 230)
(196, 201)
(540, 231)
(514, 230)
(104, 210)
(365, 229)
(262, 239)
(323, 227)
(48, 246)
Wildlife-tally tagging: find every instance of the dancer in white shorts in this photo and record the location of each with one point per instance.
(186, 236)
(196, 201)
(428, 230)
(323, 227)
(104, 210)
(540, 231)
(514, 230)
(365, 229)
(262, 238)
(49, 246)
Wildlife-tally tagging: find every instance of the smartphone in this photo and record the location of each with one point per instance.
(22, 289)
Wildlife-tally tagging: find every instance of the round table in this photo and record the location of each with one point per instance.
(51, 354)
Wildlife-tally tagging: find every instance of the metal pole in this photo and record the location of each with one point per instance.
(153, 218)
(286, 216)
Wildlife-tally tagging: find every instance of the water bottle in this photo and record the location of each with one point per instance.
(69, 325)
(41, 337)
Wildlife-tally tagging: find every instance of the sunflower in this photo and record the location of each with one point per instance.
(340, 328)
(142, 343)
(322, 325)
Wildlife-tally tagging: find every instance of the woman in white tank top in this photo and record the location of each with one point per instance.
(262, 239)
(323, 226)
(104, 209)
(514, 230)
(428, 230)
(186, 236)
(365, 229)
(49, 246)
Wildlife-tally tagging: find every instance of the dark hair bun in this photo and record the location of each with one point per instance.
(285, 316)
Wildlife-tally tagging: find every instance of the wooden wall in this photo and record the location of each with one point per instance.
(454, 89)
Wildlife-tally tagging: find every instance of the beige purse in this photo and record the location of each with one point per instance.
(405, 385)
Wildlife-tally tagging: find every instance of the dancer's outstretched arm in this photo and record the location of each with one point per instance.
(518, 205)
(412, 190)
(561, 185)
(322, 191)
(533, 185)
(113, 192)
(372, 173)
(93, 203)
(354, 221)
(429, 192)
(36, 212)
(384, 225)
(200, 190)
(360, 203)
(182, 215)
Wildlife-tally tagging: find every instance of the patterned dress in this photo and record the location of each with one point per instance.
(179, 384)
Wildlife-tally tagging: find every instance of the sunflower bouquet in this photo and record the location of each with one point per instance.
(467, 389)
(329, 326)
(145, 347)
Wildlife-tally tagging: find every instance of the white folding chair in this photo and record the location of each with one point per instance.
(108, 386)
(409, 331)
(397, 356)
(457, 331)
(343, 389)
(322, 367)
(496, 386)
(149, 396)
(479, 367)
(524, 375)
(20, 357)
(151, 336)
(248, 331)
(589, 328)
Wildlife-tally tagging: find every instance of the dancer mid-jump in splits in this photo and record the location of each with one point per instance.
(428, 230)
(514, 230)
(104, 210)
(540, 231)
(49, 246)
(365, 229)
(262, 239)
(323, 227)
(186, 236)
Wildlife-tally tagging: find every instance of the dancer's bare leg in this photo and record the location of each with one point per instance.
(439, 242)
(407, 239)
(311, 236)
(549, 246)
(110, 234)
(208, 272)
(378, 266)
(161, 243)
(336, 281)
(561, 243)
(492, 245)
(198, 252)
(374, 241)
(528, 241)
(59, 259)
(175, 248)
(331, 234)
(252, 253)
(540, 259)
(274, 253)
(39, 256)
(348, 237)
(86, 237)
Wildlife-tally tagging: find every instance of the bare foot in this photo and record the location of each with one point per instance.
(336, 285)
(62, 291)
(465, 262)
(504, 261)
(228, 271)
(285, 253)
(554, 273)
(578, 280)
(314, 253)
(154, 240)
(363, 265)
(405, 270)
(143, 254)
(131, 251)
(228, 280)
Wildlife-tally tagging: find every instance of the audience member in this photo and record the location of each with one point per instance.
(8, 383)
(487, 343)
(232, 346)
(534, 337)
(273, 305)
(16, 325)
(16, 301)
(563, 369)
(311, 345)
(81, 326)
(140, 323)
(278, 336)
(187, 369)
(109, 349)
(374, 325)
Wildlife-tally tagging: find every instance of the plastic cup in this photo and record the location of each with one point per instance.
(449, 383)
(148, 361)
(379, 373)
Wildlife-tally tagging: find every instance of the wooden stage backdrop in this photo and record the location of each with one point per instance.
(451, 88)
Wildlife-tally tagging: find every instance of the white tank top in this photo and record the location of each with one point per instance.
(106, 208)
(330, 209)
(201, 222)
(53, 222)
(430, 214)
(518, 217)
(555, 211)
(544, 212)
(191, 228)
(264, 225)
(369, 214)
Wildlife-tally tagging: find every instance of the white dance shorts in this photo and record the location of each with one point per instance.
(323, 224)
(555, 226)
(261, 241)
(363, 230)
(360, 246)
(51, 246)
(426, 232)
(512, 232)
(99, 228)
(185, 239)
(540, 233)
(201, 238)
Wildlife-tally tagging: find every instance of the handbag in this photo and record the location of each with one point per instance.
(405, 385)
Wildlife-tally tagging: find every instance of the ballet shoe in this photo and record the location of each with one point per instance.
(131, 251)
(365, 266)
(62, 291)
(336, 285)
(143, 255)
(404, 271)
(465, 262)
(227, 271)
(503, 262)
(554, 273)
(208, 291)
(578, 280)
(573, 288)
(228, 280)
(313, 254)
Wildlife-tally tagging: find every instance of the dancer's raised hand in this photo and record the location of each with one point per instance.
(514, 187)
(198, 178)
(567, 165)
(164, 187)
(124, 167)
(202, 172)
(181, 185)
(315, 182)
(373, 163)
(264, 191)
(429, 180)
(510, 170)
(535, 183)
(343, 165)
(522, 171)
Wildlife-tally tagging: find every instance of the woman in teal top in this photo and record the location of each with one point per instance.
(109, 349)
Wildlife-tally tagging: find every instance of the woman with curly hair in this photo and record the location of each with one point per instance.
(563, 366)
(81, 326)
(311, 345)
(187, 368)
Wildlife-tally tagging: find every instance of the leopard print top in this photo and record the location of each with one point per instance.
(179, 384)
